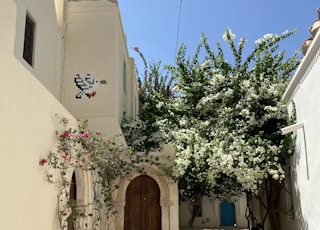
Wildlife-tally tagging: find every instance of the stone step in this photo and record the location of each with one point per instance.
(220, 228)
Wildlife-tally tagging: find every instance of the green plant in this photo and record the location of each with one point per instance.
(229, 114)
(223, 117)
(102, 158)
(147, 132)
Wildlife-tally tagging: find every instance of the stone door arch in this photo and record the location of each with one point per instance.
(168, 199)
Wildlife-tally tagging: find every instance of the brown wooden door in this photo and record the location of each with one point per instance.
(142, 210)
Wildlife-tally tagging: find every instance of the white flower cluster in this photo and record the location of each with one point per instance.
(267, 37)
(224, 119)
(228, 36)
(136, 134)
(228, 124)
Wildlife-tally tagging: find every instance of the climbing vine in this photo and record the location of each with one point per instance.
(104, 159)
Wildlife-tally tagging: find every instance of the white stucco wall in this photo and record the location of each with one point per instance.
(48, 40)
(304, 92)
(211, 214)
(29, 101)
(28, 124)
(95, 42)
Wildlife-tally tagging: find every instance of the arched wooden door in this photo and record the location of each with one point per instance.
(142, 210)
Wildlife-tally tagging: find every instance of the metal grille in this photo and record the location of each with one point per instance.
(29, 34)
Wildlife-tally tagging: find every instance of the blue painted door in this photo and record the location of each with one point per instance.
(227, 214)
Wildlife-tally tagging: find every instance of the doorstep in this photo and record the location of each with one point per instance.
(218, 228)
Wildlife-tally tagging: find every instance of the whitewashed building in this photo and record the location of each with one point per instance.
(303, 92)
(48, 48)
(45, 46)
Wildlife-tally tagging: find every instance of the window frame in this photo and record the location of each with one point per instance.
(28, 53)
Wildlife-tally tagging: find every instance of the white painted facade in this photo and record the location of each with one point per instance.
(27, 108)
(210, 217)
(95, 42)
(71, 37)
(304, 92)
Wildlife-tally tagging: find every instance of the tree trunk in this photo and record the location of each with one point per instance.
(195, 209)
(249, 211)
(269, 198)
(274, 203)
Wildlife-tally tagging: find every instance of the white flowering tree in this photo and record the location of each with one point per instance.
(147, 132)
(229, 114)
(224, 119)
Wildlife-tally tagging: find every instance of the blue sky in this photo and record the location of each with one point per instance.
(153, 25)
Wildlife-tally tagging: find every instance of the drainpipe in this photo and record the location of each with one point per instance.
(293, 128)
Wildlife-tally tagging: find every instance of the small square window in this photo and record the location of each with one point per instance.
(29, 40)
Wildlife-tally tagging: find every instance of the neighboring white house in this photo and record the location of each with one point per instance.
(303, 92)
(215, 214)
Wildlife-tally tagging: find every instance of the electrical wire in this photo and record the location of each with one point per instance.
(178, 30)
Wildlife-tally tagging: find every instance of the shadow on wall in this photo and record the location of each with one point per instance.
(300, 219)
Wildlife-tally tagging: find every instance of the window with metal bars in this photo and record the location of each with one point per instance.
(29, 40)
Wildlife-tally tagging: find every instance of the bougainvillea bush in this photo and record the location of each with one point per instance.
(228, 138)
(223, 117)
(88, 151)
(148, 132)
(230, 113)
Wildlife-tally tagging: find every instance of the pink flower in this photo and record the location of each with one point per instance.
(108, 140)
(66, 156)
(86, 134)
(42, 162)
(97, 132)
(67, 134)
(136, 48)
(89, 155)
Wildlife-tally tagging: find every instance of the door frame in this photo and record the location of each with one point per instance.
(165, 202)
